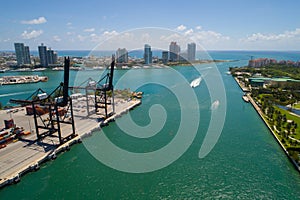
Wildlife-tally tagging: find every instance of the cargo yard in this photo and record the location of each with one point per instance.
(22, 152)
(47, 124)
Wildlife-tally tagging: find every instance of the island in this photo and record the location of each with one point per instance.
(273, 89)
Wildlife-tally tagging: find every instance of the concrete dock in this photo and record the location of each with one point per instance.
(25, 155)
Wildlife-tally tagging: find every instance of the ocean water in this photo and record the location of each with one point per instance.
(246, 162)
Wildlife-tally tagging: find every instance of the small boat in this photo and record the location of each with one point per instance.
(245, 98)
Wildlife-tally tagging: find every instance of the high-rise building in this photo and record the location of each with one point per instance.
(47, 56)
(22, 54)
(50, 56)
(43, 55)
(27, 55)
(174, 50)
(55, 57)
(147, 54)
(122, 55)
(191, 52)
(165, 57)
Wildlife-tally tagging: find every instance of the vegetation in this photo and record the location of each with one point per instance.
(273, 94)
(272, 70)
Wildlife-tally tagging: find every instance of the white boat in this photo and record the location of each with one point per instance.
(245, 98)
(196, 82)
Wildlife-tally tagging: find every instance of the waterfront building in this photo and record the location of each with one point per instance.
(191, 52)
(174, 50)
(47, 56)
(27, 55)
(50, 56)
(55, 57)
(122, 55)
(147, 54)
(22, 54)
(43, 55)
(165, 57)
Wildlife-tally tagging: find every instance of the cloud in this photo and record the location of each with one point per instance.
(81, 38)
(95, 38)
(40, 20)
(30, 35)
(206, 37)
(181, 28)
(146, 37)
(56, 38)
(110, 34)
(89, 30)
(6, 40)
(272, 37)
(189, 32)
(70, 33)
(70, 25)
(198, 27)
(169, 38)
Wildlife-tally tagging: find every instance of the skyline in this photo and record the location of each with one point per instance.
(230, 25)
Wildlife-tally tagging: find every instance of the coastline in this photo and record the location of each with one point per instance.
(258, 110)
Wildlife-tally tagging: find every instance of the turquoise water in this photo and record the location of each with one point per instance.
(246, 162)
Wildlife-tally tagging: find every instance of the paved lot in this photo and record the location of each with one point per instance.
(26, 152)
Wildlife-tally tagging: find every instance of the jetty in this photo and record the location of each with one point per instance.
(10, 80)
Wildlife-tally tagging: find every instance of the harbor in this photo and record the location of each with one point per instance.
(27, 154)
(47, 124)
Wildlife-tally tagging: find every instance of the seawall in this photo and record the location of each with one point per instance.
(82, 132)
(259, 111)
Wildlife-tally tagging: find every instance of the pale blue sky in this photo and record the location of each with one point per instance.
(217, 24)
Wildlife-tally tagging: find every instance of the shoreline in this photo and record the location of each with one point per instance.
(259, 112)
(26, 166)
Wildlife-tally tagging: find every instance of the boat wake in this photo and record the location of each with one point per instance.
(215, 105)
(15, 93)
(196, 82)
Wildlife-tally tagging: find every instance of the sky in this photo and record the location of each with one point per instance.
(213, 24)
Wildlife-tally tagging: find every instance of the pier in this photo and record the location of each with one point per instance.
(11, 80)
(58, 122)
(27, 154)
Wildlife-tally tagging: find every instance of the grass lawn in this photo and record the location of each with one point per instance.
(296, 106)
(294, 118)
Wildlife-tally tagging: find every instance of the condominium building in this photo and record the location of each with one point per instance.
(191, 52)
(147, 54)
(174, 50)
(22, 54)
(43, 55)
(122, 55)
